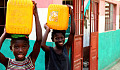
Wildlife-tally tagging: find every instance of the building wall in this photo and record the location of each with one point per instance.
(42, 6)
(86, 36)
(109, 48)
(40, 62)
(102, 15)
(109, 41)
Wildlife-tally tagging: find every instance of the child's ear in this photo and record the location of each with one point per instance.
(52, 39)
(11, 48)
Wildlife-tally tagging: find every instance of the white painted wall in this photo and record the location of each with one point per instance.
(42, 12)
(117, 22)
(101, 24)
(86, 36)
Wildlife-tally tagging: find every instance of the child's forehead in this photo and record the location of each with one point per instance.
(20, 41)
(58, 34)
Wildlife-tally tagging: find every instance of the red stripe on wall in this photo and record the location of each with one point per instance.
(46, 3)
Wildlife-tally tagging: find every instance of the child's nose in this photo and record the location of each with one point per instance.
(60, 39)
(20, 50)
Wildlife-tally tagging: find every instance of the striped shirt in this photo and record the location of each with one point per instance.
(20, 65)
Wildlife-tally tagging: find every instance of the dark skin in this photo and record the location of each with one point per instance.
(20, 47)
(59, 38)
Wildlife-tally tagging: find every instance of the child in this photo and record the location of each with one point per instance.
(57, 57)
(20, 46)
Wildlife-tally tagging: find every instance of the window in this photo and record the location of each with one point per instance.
(70, 2)
(109, 16)
(119, 17)
(94, 17)
(3, 4)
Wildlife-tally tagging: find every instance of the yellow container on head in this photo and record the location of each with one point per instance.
(58, 17)
(19, 16)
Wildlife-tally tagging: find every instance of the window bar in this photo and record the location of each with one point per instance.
(81, 17)
(92, 23)
(94, 10)
(93, 16)
(109, 15)
(2, 25)
(78, 16)
(65, 2)
(75, 13)
(4, 7)
(70, 2)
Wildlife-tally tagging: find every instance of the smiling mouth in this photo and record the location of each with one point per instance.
(61, 43)
(20, 56)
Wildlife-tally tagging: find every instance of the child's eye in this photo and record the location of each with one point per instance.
(62, 37)
(56, 38)
(16, 47)
(24, 46)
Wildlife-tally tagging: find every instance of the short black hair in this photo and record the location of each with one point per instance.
(20, 38)
(57, 31)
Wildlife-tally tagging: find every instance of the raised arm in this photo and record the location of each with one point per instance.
(36, 48)
(3, 59)
(43, 44)
(72, 32)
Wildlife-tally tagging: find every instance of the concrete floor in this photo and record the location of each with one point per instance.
(116, 66)
(85, 68)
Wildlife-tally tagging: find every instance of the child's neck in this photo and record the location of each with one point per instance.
(19, 60)
(57, 50)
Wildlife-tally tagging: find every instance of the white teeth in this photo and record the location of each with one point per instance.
(60, 43)
(20, 56)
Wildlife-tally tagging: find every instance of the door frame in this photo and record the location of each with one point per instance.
(79, 21)
(96, 1)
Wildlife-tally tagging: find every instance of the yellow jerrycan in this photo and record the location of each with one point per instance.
(58, 17)
(19, 16)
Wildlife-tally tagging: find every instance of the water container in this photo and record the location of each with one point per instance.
(58, 17)
(19, 16)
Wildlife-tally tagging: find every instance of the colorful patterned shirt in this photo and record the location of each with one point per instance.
(20, 65)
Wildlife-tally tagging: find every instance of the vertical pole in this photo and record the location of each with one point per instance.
(4, 12)
(78, 12)
(82, 30)
(72, 55)
(83, 18)
(65, 2)
(90, 32)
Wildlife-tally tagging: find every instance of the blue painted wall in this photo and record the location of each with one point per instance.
(109, 48)
(40, 62)
(39, 65)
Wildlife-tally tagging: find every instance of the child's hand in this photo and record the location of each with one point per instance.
(5, 31)
(34, 8)
(46, 27)
(70, 9)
